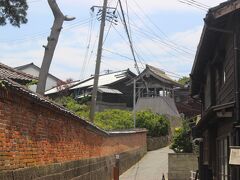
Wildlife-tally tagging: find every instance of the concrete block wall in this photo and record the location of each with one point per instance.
(34, 135)
(154, 143)
(180, 165)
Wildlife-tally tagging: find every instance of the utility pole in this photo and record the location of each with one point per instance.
(59, 18)
(134, 102)
(98, 62)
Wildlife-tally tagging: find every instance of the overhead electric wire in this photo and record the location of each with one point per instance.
(129, 38)
(198, 3)
(111, 24)
(88, 45)
(42, 34)
(168, 42)
(151, 21)
(191, 4)
(124, 56)
(163, 44)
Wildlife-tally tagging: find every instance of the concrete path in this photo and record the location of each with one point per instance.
(151, 167)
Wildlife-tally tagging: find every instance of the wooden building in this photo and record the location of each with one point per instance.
(215, 83)
(113, 90)
(155, 91)
(187, 106)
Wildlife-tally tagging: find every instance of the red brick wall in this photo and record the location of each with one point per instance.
(34, 135)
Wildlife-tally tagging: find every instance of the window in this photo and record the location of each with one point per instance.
(222, 157)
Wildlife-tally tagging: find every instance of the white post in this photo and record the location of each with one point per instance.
(134, 102)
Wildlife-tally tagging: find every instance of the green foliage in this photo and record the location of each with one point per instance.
(74, 106)
(114, 119)
(2, 84)
(184, 80)
(182, 140)
(33, 82)
(14, 11)
(156, 125)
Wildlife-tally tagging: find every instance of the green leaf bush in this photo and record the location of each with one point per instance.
(157, 125)
(115, 119)
(182, 142)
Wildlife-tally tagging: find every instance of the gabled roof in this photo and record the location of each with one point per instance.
(106, 79)
(61, 87)
(159, 74)
(215, 18)
(15, 75)
(35, 67)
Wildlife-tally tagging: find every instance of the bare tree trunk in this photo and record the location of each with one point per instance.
(59, 18)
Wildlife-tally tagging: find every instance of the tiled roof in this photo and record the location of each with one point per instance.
(8, 72)
(161, 74)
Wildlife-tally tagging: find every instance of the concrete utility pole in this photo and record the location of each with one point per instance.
(59, 18)
(134, 102)
(98, 62)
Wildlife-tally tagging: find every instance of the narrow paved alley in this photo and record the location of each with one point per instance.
(151, 167)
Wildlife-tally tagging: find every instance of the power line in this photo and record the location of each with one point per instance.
(126, 57)
(151, 21)
(129, 38)
(111, 24)
(91, 25)
(198, 3)
(193, 5)
(163, 44)
(43, 34)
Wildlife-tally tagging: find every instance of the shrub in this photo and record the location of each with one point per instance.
(81, 110)
(182, 140)
(157, 125)
(114, 119)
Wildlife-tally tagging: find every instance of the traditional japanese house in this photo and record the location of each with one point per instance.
(155, 91)
(186, 106)
(15, 75)
(215, 83)
(113, 91)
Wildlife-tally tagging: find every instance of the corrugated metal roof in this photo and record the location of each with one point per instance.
(6, 71)
(61, 87)
(105, 79)
(109, 91)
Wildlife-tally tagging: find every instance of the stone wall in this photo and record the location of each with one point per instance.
(180, 165)
(37, 134)
(154, 143)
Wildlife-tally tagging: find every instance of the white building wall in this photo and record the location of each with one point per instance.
(51, 82)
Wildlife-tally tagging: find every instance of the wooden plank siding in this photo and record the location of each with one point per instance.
(225, 94)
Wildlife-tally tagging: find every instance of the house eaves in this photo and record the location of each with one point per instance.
(38, 69)
(214, 28)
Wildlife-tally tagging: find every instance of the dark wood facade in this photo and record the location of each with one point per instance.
(215, 83)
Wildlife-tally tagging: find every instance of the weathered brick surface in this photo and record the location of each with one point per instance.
(33, 135)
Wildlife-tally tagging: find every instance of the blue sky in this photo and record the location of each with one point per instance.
(165, 34)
